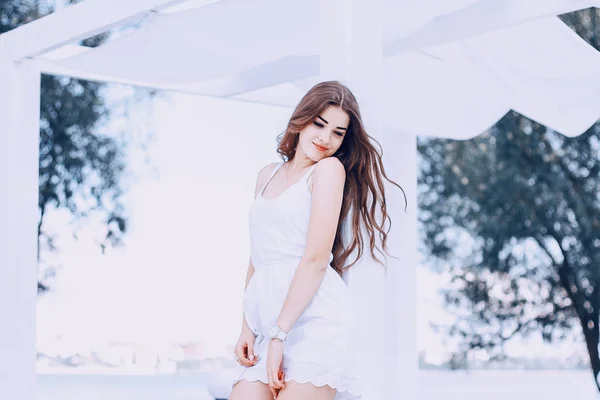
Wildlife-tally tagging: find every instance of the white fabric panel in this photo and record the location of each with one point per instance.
(437, 91)
(432, 93)
(430, 96)
(230, 36)
(280, 71)
(404, 17)
(549, 73)
(422, 95)
(187, 5)
(285, 94)
(216, 40)
(474, 19)
(460, 89)
(254, 51)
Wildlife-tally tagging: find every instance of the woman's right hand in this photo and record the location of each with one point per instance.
(244, 349)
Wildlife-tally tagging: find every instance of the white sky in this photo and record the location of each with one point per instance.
(180, 276)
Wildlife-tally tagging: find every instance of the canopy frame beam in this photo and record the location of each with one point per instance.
(76, 22)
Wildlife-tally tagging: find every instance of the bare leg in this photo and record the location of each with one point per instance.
(302, 391)
(245, 390)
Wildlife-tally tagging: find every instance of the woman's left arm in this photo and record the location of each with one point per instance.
(328, 182)
(327, 195)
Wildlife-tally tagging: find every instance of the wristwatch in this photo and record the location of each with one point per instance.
(275, 332)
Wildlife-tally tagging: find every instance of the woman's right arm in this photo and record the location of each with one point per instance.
(261, 180)
(244, 349)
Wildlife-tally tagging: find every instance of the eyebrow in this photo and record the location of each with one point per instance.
(324, 120)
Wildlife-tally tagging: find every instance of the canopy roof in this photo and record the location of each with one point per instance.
(452, 68)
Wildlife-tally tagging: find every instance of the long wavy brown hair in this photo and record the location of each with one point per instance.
(364, 190)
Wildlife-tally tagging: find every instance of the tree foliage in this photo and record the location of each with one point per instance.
(527, 198)
(80, 170)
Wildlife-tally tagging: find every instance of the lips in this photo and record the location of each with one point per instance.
(320, 148)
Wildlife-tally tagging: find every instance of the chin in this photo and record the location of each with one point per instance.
(318, 157)
(313, 155)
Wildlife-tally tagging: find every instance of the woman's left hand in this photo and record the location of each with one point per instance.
(274, 366)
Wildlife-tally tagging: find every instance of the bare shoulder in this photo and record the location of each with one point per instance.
(263, 176)
(330, 168)
(266, 171)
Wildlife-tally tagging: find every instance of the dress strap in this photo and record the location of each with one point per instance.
(309, 173)
(270, 177)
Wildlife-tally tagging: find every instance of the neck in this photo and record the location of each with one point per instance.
(299, 162)
(296, 166)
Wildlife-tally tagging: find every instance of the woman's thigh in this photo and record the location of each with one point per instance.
(301, 391)
(245, 390)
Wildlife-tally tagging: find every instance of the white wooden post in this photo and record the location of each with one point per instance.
(384, 299)
(402, 365)
(385, 302)
(19, 141)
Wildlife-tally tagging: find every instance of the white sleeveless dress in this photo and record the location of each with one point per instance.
(317, 349)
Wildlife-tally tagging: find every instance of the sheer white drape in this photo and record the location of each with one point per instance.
(441, 58)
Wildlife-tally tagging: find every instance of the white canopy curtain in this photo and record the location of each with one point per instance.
(441, 58)
(446, 68)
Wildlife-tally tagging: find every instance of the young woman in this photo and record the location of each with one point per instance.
(294, 341)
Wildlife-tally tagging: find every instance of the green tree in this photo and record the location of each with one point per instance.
(527, 199)
(80, 170)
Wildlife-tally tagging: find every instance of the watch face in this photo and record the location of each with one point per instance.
(273, 331)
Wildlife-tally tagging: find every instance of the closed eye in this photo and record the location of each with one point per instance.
(320, 125)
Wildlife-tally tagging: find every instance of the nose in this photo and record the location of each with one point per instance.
(324, 139)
